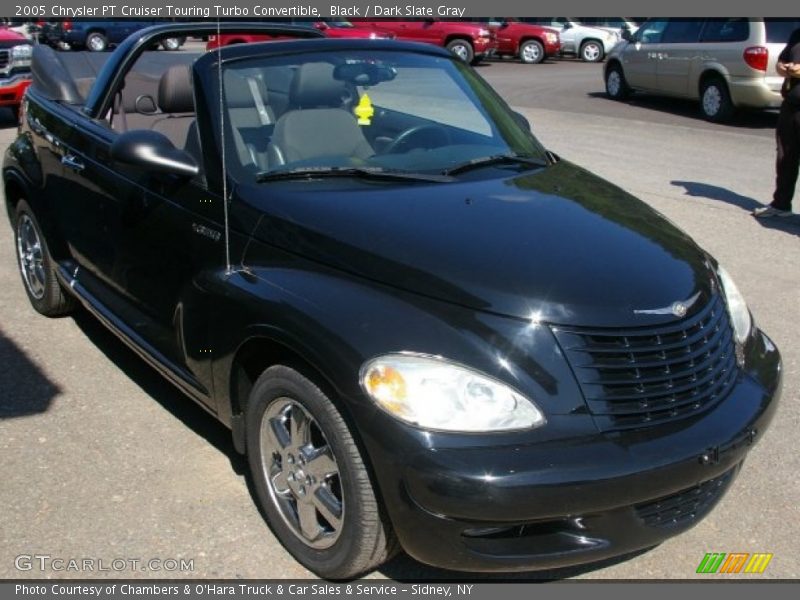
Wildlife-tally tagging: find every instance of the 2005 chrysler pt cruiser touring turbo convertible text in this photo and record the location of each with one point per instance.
(425, 331)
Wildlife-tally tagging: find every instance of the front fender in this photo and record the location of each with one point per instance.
(335, 322)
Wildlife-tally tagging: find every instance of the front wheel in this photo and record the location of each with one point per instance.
(531, 52)
(616, 86)
(715, 100)
(310, 478)
(462, 49)
(591, 51)
(36, 266)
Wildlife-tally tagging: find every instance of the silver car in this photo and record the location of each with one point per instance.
(588, 43)
(725, 63)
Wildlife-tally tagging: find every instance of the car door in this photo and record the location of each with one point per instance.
(680, 51)
(138, 239)
(641, 55)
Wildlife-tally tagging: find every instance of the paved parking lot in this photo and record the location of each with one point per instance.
(102, 459)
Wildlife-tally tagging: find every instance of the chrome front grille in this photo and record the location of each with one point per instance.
(645, 376)
(5, 57)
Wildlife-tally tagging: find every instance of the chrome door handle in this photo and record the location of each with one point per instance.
(68, 160)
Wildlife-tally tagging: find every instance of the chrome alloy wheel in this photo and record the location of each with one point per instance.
(461, 51)
(96, 43)
(531, 53)
(301, 473)
(591, 52)
(31, 257)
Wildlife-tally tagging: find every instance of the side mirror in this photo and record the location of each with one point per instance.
(522, 121)
(566, 26)
(152, 151)
(627, 35)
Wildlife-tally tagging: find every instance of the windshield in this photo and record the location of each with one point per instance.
(364, 109)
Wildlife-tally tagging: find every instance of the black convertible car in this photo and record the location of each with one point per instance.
(421, 326)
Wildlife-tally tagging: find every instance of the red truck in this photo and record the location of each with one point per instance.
(471, 42)
(334, 28)
(531, 43)
(15, 68)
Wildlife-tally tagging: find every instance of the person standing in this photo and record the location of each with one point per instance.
(787, 133)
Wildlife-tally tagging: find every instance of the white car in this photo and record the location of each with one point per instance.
(612, 24)
(590, 44)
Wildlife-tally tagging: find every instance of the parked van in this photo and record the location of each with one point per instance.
(726, 63)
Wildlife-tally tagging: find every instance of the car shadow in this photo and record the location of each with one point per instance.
(405, 569)
(159, 389)
(26, 389)
(789, 225)
(744, 119)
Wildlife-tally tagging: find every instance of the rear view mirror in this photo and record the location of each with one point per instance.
(364, 73)
(152, 151)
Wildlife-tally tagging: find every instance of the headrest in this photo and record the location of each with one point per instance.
(175, 90)
(239, 91)
(313, 86)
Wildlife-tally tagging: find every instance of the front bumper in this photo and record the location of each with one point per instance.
(13, 89)
(570, 500)
(484, 47)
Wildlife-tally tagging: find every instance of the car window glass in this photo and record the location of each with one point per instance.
(366, 109)
(682, 31)
(439, 99)
(779, 30)
(726, 30)
(651, 32)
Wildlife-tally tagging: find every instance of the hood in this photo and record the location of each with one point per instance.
(7, 35)
(558, 245)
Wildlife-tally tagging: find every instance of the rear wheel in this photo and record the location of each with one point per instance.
(531, 52)
(96, 42)
(715, 100)
(616, 86)
(37, 267)
(591, 51)
(462, 49)
(310, 478)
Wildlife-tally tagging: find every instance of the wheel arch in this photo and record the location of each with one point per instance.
(530, 38)
(458, 36)
(710, 72)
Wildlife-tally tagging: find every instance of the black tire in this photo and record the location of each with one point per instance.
(715, 100)
(462, 49)
(531, 52)
(591, 51)
(96, 42)
(363, 539)
(171, 44)
(50, 300)
(616, 85)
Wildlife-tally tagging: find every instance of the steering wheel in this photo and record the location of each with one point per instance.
(418, 136)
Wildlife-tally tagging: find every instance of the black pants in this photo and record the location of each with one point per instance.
(788, 161)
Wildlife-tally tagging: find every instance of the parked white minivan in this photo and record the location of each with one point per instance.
(726, 63)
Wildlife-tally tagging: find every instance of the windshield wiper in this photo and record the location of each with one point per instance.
(358, 172)
(494, 159)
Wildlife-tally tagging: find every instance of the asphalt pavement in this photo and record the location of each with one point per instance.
(101, 459)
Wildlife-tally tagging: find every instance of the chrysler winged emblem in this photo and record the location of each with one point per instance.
(678, 308)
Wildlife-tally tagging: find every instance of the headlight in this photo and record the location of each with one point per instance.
(22, 52)
(737, 307)
(433, 393)
(551, 37)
